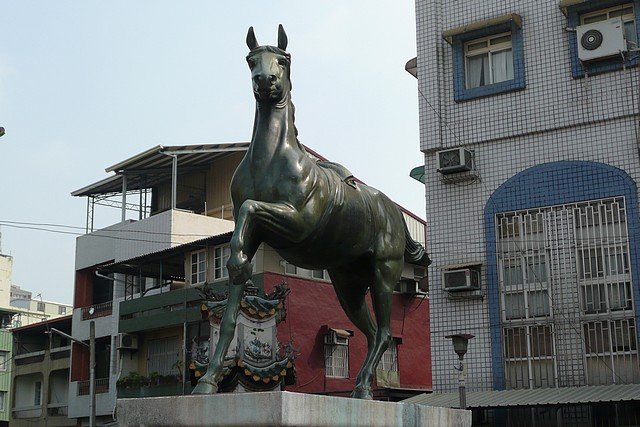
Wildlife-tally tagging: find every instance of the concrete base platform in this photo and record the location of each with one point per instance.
(281, 408)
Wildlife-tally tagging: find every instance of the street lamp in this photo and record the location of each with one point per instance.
(460, 345)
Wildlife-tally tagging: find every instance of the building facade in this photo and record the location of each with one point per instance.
(141, 281)
(40, 374)
(529, 128)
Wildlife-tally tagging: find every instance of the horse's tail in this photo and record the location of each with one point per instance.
(414, 252)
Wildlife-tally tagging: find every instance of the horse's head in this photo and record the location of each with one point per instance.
(269, 68)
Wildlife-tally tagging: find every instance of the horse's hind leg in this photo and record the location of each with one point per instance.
(351, 290)
(386, 275)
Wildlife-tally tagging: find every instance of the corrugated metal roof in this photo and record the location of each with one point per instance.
(154, 165)
(540, 396)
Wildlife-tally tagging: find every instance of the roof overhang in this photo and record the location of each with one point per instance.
(154, 165)
(502, 19)
(411, 67)
(149, 263)
(533, 397)
(565, 4)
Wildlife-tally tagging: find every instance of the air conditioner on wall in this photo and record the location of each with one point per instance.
(409, 287)
(601, 39)
(127, 341)
(455, 160)
(333, 338)
(465, 279)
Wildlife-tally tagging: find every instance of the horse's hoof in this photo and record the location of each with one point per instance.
(205, 388)
(362, 393)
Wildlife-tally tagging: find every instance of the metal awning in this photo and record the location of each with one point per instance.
(533, 397)
(502, 19)
(174, 255)
(417, 173)
(411, 67)
(154, 165)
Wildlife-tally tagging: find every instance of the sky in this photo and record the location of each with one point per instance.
(86, 84)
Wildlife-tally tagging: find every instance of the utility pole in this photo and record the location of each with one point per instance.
(92, 372)
(92, 365)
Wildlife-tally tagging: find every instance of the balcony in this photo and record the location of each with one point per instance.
(160, 311)
(101, 385)
(131, 239)
(98, 310)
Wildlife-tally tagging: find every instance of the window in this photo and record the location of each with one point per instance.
(163, 355)
(198, 267)
(487, 60)
(389, 360)
(37, 394)
(3, 360)
(606, 298)
(40, 306)
(303, 272)
(624, 12)
(3, 397)
(62, 309)
(584, 14)
(220, 257)
(527, 306)
(336, 355)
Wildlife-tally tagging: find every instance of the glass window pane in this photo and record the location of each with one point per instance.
(476, 46)
(538, 303)
(512, 273)
(595, 18)
(501, 39)
(627, 10)
(514, 306)
(477, 70)
(502, 66)
(630, 32)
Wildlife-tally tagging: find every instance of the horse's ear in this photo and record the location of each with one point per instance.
(282, 38)
(252, 43)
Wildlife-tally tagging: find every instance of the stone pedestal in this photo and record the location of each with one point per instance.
(281, 408)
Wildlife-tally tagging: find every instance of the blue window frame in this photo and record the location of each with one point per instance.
(467, 84)
(574, 13)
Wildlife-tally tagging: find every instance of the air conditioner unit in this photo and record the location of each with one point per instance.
(601, 39)
(465, 279)
(127, 342)
(333, 338)
(455, 160)
(409, 287)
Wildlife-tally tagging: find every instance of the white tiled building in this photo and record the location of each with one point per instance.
(545, 207)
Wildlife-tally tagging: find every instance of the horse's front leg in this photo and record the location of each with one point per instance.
(244, 243)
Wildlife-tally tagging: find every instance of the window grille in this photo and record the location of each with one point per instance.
(565, 279)
(336, 360)
(389, 360)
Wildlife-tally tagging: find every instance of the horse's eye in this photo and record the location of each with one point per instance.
(282, 61)
(251, 63)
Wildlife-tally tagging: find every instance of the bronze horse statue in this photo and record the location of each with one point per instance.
(314, 214)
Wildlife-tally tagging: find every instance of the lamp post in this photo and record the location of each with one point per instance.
(460, 345)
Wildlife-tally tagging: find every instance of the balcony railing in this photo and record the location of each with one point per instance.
(102, 386)
(97, 310)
